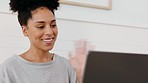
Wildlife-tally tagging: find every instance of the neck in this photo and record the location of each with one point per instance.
(37, 56)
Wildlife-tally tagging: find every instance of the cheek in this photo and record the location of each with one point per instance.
(55, 31)
(39, 34)
(36, 34)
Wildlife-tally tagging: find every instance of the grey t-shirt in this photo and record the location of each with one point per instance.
(18, 70)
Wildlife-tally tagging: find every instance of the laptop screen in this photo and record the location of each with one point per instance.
(112, 67)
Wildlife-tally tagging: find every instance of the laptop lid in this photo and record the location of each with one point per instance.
(112, 67)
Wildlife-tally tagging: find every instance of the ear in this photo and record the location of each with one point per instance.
(25, 30)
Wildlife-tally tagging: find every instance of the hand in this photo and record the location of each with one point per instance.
(78, 58)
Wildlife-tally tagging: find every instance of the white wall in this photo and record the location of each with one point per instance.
(122, 29)
(124, 12)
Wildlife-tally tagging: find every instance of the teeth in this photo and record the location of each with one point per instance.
(49, 40)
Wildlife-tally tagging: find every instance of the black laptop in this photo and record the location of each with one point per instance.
(115, 67)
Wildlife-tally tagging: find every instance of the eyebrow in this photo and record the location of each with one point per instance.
(44, 21)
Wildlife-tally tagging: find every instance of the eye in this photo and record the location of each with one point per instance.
(53, 25)
(41, 27)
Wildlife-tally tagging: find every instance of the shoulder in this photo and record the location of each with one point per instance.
(7, 63)
(65, 62)
(5, 68)
(69, 68)
(61, 59)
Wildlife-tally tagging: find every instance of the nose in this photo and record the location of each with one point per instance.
(48, 31)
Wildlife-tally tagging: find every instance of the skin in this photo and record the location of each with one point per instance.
(78, 58)
(42, 32)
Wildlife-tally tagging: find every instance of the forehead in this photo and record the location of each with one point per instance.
(43, 14)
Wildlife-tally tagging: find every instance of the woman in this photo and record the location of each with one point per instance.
(37, 64)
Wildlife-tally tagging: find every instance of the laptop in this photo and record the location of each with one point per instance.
(114, 67)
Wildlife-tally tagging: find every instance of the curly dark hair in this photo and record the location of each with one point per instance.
(25, 7)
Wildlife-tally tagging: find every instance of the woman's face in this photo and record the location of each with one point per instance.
(41, 29)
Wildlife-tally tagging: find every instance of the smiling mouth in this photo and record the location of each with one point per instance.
(47, 40)
(50, 39)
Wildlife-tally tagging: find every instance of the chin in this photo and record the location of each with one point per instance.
(48, 49)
